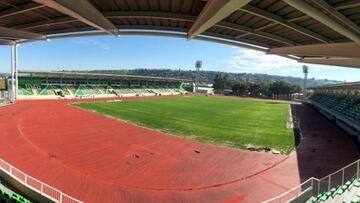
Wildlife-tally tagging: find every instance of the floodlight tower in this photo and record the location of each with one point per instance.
(198, 65)
(305, 71)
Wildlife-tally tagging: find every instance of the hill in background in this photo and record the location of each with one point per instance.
(209, 76)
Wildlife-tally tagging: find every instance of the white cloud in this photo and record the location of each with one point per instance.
(250, 61)
(246, 60)
(92, 42)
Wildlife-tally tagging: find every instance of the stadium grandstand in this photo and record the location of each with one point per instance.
(36, 84)
(340, 103)
(54, 152)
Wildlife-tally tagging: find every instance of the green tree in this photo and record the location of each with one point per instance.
(263, 89)
(221, 82)
(241, 89)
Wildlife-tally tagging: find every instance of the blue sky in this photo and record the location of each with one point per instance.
(128, 52)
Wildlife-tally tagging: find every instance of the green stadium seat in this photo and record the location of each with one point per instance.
(65, 87)
(356, 183)
(47, 90)
(339, 191)
(348, 183)
(13, 198)
(355, 200)
(347, 106)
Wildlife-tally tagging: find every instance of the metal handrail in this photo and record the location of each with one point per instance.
(292, 190)
(45, 189)
(318, 181)
(340, 170)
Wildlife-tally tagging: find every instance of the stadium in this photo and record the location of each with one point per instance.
(73, 137)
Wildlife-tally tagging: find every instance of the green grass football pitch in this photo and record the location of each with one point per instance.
(225, 121)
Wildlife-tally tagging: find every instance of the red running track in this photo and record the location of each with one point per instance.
(98, 159)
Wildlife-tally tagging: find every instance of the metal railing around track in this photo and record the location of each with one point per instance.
(36, 185)
(314, 186)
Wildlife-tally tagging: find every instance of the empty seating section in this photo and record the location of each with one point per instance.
(181, 90)
(103, 90)
(90, 85)
(345, 105)
(36, 89)
(71, 90)
(44, 86)
(139, 91)
(354, 111)
(83, 90)
(87, 90)
(120, 91)
(47, 90)
(168, 90)
(25, 90)
(109, 90)
(131, 90)
(6, 197)
(64, 90)
(347, 193)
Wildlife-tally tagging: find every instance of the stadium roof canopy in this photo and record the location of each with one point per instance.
(83, 75)
(310, 31)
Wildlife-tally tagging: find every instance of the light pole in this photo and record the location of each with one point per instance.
(305, 71)
(198, 65)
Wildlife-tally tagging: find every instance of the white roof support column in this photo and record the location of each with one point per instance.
(213, 12)
(324, 19)
(16, 66)
(12, 92)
